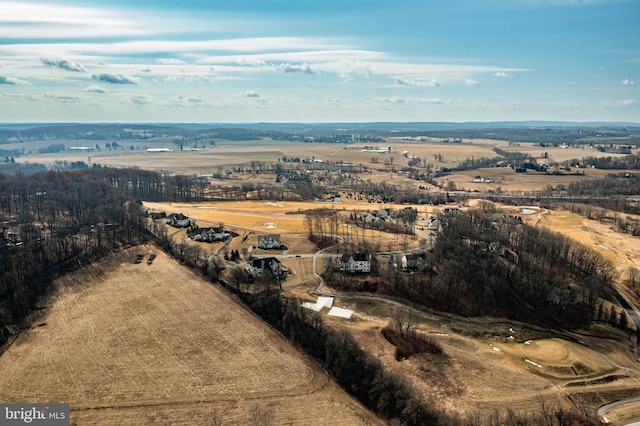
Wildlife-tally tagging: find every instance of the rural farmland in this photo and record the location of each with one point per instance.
(136, 343)
(445, 241)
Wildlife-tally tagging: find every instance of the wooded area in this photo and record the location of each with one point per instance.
(485, 263)
(52, 223)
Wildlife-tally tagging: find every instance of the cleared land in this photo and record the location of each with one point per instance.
(506, 179)
(128, 343)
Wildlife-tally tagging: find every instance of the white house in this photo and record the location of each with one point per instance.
(271, 241)
(356, 262)
(178, 220)
(210, 234)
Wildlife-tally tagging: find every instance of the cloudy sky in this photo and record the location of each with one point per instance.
(321, 61)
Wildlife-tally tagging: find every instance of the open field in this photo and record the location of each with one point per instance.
(557, 154)
(621, 249)
(224, 155)
(128, 343)
(506, 179)
(508, 365)
(285, 218)
(227, 153)
(491, 371)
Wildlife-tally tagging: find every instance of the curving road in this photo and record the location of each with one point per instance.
(622, 299)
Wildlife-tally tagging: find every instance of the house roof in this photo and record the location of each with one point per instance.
(357, 257)
(265, 261)
(416, 256)
(270, 236)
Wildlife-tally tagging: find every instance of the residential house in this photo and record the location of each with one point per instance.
(434, 224)
(178, 220)
(158, 215)
(354, 262)
(414, 262)
(373, 221)
(268, 242)
(210, 235)
(256, 267)
(505, 218)
(385, 213)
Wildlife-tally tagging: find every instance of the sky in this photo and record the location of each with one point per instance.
(247, 61)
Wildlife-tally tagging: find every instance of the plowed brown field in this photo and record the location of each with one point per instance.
(128, 343)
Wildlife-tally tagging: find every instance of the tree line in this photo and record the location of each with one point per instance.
(359, 372)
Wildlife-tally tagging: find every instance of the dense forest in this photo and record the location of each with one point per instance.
(54, 222)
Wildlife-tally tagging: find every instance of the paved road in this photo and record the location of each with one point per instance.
(614, 404)
(632, 313)
(636, 319)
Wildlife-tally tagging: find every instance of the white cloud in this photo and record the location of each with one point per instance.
(471, 82)
(55, 96)
(502, 74)
(403, 100)
(170, 61)
(4, 79)
(627, 82)
(252, 62)
(95, 89)
(26, 97)
(65, 64)
(116, 78)
(185, 101)
(630, 102)
(190, 78)
(406, 82)
(138, 100)
(250, 94)
(27, 20)
(288, 68)
(252, 45)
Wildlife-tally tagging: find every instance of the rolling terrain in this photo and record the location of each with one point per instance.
(128, 343)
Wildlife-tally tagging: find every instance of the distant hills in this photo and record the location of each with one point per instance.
(517, 131)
